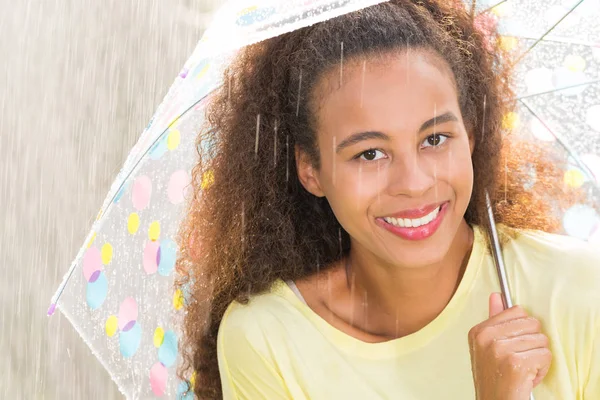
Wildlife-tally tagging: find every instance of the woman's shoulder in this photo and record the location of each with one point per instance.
(554, 267)
(262, 311)
(554, 250)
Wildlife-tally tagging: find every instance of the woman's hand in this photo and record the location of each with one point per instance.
(509, 354)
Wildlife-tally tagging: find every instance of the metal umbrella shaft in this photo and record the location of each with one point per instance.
(499, 261)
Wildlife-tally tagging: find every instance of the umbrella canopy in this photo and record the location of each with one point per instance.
(119, 291)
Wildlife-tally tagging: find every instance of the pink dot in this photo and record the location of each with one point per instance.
(128, 311)
(151, 257)
(92, 262)
(179, 180)
(158, 379)
(141, 192)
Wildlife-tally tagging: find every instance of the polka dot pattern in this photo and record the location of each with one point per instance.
(142, 190)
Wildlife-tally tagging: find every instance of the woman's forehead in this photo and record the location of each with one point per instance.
(405, 85)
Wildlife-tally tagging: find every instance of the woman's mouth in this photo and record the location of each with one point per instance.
(417, 228)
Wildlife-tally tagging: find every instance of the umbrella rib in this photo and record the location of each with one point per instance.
(547, 32)
(565, 144)
(492, 7)
(559, 89)
(555, 39)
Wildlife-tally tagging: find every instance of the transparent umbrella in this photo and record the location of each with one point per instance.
(119, 291)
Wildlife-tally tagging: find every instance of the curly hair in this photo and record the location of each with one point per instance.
(251, 221)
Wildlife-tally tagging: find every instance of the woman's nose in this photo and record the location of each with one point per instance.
(411, 176)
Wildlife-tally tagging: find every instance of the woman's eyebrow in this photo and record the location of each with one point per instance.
(360, 136)
(438, 120)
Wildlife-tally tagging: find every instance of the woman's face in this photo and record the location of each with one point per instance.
(395, 156)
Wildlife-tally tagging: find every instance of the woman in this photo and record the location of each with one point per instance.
(344, 235)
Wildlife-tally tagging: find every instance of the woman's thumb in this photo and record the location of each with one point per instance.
(496, 305)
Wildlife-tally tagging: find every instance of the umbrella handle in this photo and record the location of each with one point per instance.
(499, 261)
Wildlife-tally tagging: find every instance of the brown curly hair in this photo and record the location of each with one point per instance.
(254, 222)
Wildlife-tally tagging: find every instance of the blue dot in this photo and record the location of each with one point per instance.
(159, 148)
(168, 253)
(130, 341)
(96, 291)
(184, 392)
(258, 15)
(167, 352)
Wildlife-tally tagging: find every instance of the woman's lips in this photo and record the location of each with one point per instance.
(417, 233)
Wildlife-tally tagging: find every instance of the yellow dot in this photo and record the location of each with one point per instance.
(503, 9)
(91, 241)
(173, 139)
(193, 380)
(106, 253)
(247, 10)
(178, 299)
(111, 325)
(202, 72)
(511, 121)
(508, 43)
(574, 178)
(159, 337)
(575, 63)
(99, 215)
(133, 223)
(154, 231)
(208, 178)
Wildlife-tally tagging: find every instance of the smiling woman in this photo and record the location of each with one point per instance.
(344, 235)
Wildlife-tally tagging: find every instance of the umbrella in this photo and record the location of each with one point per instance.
(119, 291)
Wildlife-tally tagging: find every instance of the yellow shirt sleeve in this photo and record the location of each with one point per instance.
(246, 367)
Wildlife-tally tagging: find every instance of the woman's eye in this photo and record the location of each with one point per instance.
(370, 155)
(435, 140)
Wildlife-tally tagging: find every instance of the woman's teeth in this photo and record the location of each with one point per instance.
(413, 223)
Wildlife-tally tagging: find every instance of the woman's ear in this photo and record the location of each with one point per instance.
(308, 175)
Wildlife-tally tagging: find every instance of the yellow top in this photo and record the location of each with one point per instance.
(276, 347)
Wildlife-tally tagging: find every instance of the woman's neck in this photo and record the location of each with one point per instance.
(399, 301)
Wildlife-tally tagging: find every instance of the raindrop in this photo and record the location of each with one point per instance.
(483, 123)
(333, 152)
(243, 219)
(299, 89)
(287, 156)
(362, 88)
(359, 186)
(341, 62)
(257, 134)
